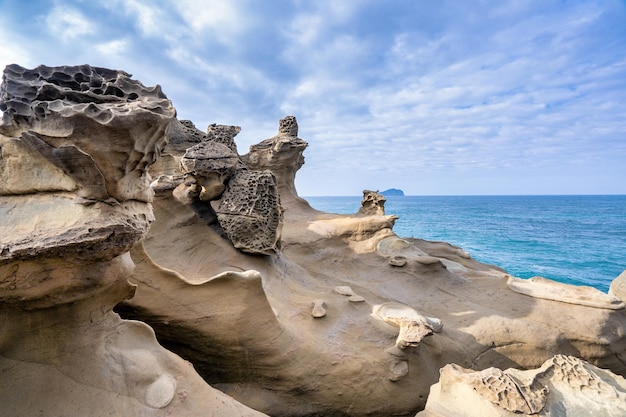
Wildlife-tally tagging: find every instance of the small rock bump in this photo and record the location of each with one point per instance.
(318, 309)
(161, 392)
(343, 290)
(398, 261)
(399, 370)
(356, 299)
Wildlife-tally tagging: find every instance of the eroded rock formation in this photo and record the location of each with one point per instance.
(250, 212)
(373, 203)
(282, 155)
(76, 143)
(340, 317)
(349, 319)
(206, 167)
(562, 386)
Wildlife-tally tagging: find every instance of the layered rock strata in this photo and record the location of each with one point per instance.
(76, 144)
(348, 318)
(338, 317)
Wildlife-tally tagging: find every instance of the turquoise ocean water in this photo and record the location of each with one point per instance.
(573, 239)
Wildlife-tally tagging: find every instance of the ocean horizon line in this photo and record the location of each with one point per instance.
(477, 195)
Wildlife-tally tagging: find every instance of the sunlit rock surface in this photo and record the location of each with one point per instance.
(347, 318)
(295, 313)
(562, 386)
(76, 144)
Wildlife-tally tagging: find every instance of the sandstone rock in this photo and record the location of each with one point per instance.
(544, 288)
(64, 260)
(397, 260)
(224, 134)
(74, 197)
(318, 309)
(210, 164)
(618, 287)
(372, 203)
(282, 155)
(413, 327)
(563, 386)
(268, 351)
(250, 212)
(88, 113)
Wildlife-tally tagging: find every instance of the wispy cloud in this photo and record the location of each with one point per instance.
(67, 22)
(448, 97)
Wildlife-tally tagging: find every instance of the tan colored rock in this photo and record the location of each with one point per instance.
(275, 357)
(373, 203)
(282, 155)
(318, 309)
(211, 165)
(564, 386)
(540, 287)
(238, 318)
(618, 287)
(64, 261)
(224, 134)
(79, 112)
(413, 327)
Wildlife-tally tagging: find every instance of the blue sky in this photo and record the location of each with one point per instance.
(434, 97)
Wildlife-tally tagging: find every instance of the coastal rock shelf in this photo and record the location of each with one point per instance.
(236, 297)
(562, 386)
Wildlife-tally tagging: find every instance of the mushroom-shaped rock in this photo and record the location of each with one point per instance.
(210, 164)
(413, 327)
(76, 117)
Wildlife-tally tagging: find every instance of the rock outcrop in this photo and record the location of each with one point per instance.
(562, 386)
(76, 144)
(348, 319)
(250, 212)
(373, 203)
(282, 155)
(206, 167)
(338, 317)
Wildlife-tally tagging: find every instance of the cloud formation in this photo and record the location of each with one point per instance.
(473, 97)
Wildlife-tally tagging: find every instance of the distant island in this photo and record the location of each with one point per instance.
(392, 192)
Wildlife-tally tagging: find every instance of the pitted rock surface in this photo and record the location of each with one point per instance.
(223, 134)
(208, 157)
(250, 212)
(77, 117)
(183, 134)
(77, 142)
(562, 386)
(75, 147)
(373, 203)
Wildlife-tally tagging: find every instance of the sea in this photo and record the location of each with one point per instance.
(575, 239)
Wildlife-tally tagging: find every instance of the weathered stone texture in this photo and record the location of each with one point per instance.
(250, 212)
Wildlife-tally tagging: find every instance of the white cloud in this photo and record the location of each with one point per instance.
(150, 18)
(67, 22)
(113, 48)
(442, 92)
(221, 16)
